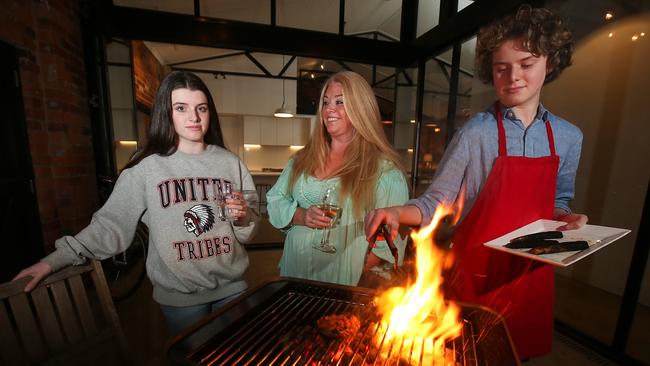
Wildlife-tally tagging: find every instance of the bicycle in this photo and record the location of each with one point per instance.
(125, 271)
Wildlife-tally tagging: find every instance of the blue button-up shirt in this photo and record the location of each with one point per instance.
(468, 159)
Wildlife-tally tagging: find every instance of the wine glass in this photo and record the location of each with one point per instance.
(329, 205)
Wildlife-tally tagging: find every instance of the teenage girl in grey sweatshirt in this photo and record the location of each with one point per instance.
(195, 260)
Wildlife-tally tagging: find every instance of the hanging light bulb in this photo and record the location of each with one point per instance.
(283, 112)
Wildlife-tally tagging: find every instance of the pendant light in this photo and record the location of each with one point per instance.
(282, 111)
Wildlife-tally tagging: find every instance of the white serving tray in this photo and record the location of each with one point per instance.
(597, 236)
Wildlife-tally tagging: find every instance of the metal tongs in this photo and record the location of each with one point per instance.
(382, 275)
(384, 231)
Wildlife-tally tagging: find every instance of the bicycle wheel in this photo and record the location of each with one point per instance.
(125, 271)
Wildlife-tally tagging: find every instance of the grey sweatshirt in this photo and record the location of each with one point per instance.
(194, 257)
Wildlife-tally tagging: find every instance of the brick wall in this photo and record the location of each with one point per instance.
(148, 74)
(47, 35)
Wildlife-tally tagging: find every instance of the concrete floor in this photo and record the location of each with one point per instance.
(145, 328)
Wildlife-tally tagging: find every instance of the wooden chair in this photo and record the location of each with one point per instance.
(69, 319)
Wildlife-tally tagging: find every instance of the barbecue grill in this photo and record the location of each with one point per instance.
(275, 324)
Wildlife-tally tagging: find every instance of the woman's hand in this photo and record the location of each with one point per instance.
(573, 220)
(313, 217)
(37, 271)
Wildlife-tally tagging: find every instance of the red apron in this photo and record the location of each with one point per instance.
(518, 191)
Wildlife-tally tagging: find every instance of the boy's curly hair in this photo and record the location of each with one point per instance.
(542, 32)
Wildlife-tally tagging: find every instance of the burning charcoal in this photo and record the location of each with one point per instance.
(567, 246)
(530, 243)
(540, 235)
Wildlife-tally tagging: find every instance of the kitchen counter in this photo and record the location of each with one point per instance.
(265, 174)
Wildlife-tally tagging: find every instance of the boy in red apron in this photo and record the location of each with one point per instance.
(516, 163)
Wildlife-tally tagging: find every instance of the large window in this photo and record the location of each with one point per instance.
(120, 80)
(428, 14)
(405, 116)
(433, 127)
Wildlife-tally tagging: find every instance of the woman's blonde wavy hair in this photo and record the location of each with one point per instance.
(364, 154)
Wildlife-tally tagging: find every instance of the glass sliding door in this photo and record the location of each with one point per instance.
(404, 122)
(433, 126)
(604, 93)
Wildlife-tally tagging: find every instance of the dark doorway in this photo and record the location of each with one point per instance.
(22, 240)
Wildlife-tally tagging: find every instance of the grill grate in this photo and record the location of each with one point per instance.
(282, 332)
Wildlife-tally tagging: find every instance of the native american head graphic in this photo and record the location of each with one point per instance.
(199, 219)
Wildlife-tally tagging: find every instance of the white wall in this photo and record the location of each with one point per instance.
(236, 96)
(249, 95)
(605, 94)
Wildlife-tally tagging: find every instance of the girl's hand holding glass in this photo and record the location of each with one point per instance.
(236, 207)
(234, 204)
(241, 206)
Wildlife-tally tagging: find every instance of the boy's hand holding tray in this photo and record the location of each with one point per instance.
(540, 241)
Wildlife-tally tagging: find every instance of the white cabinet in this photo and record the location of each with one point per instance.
(232, 132)
(299, 132)
(252, 130)
(284, 131)
(268, 134)
(259, 130)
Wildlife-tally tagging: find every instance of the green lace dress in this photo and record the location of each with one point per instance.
(299, 258)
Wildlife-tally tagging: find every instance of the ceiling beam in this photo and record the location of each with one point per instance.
(197, 8)
(286, 66)
(464, 24)
(257, 63)
(234, 73)
(150, 25)
(211, 58)
(409, 20)
(341, 17)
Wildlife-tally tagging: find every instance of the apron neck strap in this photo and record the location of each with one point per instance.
(502, 132)
(503, 151)
(551, 141)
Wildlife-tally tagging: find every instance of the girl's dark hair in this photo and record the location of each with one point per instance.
(542, 32)
(162, 138)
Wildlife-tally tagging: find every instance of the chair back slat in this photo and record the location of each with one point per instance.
(10, 350)
(104, 295)
(28, 332)
(80, 298)
(52, 331)
(66, 312)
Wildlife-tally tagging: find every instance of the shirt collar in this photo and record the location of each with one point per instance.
(509, 114)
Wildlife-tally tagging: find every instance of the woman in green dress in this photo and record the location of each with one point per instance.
(349, 160)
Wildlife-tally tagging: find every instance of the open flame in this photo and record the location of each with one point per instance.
(419, 312)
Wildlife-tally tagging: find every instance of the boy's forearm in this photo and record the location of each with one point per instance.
(409, 215)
